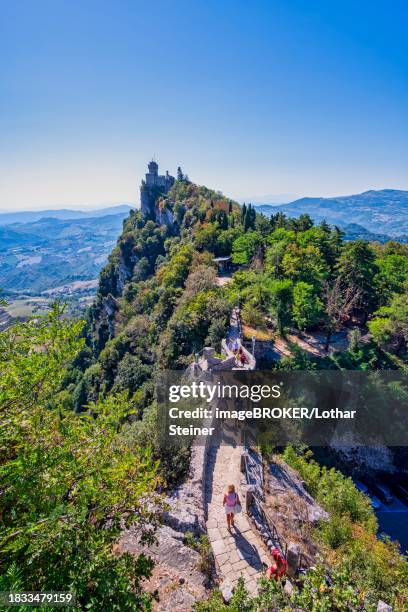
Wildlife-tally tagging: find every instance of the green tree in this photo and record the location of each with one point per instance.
(389, 327)
(222, 220)
(277, 243)
(243, 213)
(392, 275)
(307, 307)
(206, 237)
(67, 481)
(279, 221)
(281, 299)
(305, 264)
(132, 373)
(249, 218)
(357, 269)
(263, 225)
(245, 247)
(302, 223)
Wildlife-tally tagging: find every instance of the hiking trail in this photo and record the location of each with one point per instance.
(241, 552)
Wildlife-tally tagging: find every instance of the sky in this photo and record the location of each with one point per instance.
(264, 100)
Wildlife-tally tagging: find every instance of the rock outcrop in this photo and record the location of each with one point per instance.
(176, 577)
(153, 186)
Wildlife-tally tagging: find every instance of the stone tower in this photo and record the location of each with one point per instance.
(152, 187)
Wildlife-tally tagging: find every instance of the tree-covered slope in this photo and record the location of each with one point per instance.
(157, 302)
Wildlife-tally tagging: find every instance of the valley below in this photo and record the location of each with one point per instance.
(50, 258)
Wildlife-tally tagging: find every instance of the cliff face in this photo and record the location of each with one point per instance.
(152, 188)
(132, 260)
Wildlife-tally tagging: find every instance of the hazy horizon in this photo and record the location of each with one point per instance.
(259, 200)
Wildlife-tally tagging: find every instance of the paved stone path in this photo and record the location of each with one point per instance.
(241, 551)
(234, 339)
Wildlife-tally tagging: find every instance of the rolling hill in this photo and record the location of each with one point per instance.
(31, 216)
(48, 253)
(379, 212)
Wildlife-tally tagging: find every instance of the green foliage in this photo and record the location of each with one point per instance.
(174, 274)
(202, 545)
(281, 297)
(357, 269)
(191, 323)
(307, 306)
(337, 593)
(245, 247)
(305, 264)
(174, 455)
(67, 481)
(331, 488)
(248, 218)
(389, 328)
(132, 373)
(336, 531)
(298, 360)
(32, 356)
(392, 275)
(277, 243)
(372, 569)
(207, 237)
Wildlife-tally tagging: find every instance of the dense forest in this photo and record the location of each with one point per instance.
(80, 454)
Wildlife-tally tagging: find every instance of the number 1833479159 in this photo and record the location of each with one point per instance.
(37, 598)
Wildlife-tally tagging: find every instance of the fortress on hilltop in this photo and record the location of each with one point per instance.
(152, 186)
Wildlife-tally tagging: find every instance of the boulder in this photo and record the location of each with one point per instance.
(292, 558)
(169, 551)
(383, 607)
(226, 589)
(288, 588)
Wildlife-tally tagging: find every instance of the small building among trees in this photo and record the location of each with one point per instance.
(223, 263)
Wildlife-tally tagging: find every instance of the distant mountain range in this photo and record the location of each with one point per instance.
(43, 250)
(50, 252)
(383, 212)
(31, 216)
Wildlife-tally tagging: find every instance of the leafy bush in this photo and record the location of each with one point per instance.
(358, 559)
(203, 547)
(68, 481)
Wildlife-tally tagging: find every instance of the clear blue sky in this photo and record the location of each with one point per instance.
(263, 99)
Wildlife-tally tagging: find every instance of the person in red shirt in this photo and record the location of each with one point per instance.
(279, 569)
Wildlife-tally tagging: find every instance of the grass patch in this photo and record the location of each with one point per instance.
(26, 308)
(260, 333)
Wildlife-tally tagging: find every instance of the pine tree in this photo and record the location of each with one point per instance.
(243, 213)
(223, 220)
(249, 218)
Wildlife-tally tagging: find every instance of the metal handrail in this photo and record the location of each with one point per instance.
(268, 522)
(270, 525)
(283, 545)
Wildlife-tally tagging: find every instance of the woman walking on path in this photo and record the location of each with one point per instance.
(232, 505)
